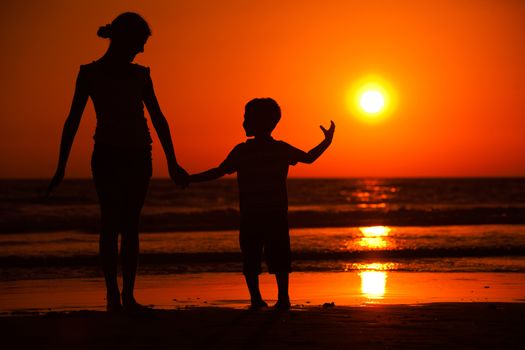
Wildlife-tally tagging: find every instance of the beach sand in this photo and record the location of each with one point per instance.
(390, 310)
(428, 326)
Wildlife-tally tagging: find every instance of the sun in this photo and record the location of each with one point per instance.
(371, 99)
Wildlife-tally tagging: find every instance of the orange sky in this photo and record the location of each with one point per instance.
(457, 67)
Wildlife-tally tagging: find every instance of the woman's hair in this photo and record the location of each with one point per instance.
(127, 24)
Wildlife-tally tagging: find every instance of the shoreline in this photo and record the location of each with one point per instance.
(307, 289)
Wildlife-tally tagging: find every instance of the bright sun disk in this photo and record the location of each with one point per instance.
(372, 101)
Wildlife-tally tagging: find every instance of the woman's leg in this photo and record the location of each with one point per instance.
(105, 177)
(121, 178)
(136, 186)
(108, 241)
(129, 244)
(108, 247)
(129, 255)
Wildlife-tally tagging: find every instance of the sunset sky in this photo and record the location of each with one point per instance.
(456, 69)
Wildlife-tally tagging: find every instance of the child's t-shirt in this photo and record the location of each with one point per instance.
(262, 168)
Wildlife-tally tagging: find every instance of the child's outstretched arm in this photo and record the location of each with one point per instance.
(316, 152)
(228, 166)
(208, 175)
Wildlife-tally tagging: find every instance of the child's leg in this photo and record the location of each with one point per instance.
(282, 286)
(278, 257)
(252, 250)
(283, 301)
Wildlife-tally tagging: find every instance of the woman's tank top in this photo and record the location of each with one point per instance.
(117, 96)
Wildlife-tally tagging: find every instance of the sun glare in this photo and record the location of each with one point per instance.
(371, 99)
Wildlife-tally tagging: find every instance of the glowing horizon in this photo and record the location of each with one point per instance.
(451, 107)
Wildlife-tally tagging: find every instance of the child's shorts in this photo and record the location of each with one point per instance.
(265, 234)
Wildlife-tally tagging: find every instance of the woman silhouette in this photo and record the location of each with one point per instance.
(121, 161)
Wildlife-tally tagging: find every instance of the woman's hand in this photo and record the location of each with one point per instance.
(55, 181)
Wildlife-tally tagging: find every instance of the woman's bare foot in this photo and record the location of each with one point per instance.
(113, 305)
(131, 306)
(258, 304)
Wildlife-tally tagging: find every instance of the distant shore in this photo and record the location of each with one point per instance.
(429, 326)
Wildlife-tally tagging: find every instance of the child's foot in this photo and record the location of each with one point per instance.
(258, 304)
(282, 305)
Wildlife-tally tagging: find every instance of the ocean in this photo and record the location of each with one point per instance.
(415, 225)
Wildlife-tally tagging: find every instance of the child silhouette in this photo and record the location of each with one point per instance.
(262, 165)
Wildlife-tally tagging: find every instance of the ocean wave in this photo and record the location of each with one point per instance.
(312, 202)
(229, 219)
(229, 257)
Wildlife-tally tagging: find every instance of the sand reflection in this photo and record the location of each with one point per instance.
(373, 284)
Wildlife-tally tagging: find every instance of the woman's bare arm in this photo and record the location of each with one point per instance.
(177, 173)
(69, 131)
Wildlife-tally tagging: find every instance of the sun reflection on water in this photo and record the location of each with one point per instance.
(374, 276)
(373, 236)
(375, 231)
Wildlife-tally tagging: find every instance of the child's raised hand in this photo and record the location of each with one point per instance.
(328, 134)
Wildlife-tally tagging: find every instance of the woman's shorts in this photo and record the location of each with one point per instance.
(121, 177)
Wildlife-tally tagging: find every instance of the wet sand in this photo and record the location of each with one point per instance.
(352, 288)
(382, 310)
(428, 326)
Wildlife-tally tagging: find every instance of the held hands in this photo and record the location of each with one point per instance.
(328, 134)
(179, 175)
